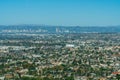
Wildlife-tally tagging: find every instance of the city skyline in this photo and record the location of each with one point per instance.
(60, 12)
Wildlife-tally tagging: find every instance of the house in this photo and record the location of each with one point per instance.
(9, 76)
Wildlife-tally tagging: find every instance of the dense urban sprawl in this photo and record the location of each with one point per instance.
(82, 56)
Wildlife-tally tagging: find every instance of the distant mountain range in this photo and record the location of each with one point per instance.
(57, 29)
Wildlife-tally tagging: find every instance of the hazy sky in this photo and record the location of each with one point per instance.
(60, 12)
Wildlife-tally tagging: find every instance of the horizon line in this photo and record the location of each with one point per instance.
(61, 25)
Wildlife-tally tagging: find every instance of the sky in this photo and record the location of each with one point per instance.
(60, 12)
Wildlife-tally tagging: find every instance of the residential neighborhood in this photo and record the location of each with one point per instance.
(85, 56)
